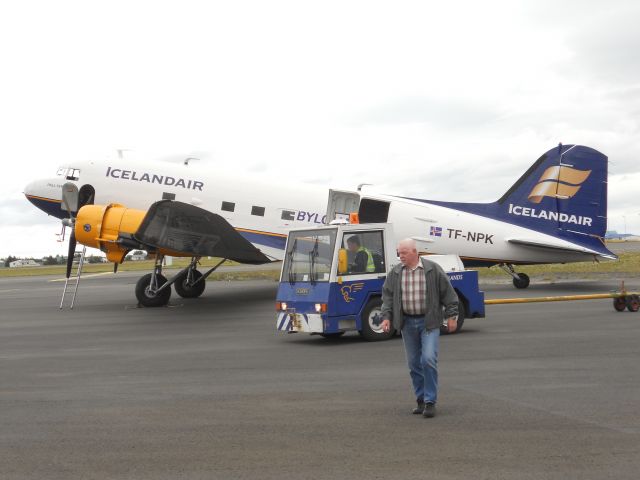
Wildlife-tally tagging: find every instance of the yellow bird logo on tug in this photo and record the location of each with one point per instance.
(347, 290)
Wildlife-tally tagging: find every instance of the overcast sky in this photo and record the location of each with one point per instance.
(441, 100)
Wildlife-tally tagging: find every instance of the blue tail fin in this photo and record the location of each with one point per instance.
(563, 194)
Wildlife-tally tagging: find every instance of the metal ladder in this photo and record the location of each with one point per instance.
(73, 281)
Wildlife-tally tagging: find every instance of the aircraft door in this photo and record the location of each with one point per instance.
(373, 211)
(341, 204)
(70, 197)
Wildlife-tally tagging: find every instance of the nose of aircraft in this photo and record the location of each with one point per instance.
(46, 195)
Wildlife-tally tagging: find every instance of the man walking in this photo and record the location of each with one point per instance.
(413, 296)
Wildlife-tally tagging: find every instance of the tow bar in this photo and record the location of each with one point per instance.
(621, 299)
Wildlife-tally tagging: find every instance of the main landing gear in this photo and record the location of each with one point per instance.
(154, 290)
(520, 280)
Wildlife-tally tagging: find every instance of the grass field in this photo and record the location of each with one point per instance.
(142, 266)
(628, 264)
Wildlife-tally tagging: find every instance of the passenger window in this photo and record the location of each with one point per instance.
(168, 196)
(228, 206)
(258, 211)
(365, 252)
(288, 215)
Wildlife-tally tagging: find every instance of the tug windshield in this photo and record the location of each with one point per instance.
(309, 256)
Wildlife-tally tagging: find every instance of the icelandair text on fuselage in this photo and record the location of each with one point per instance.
(152, 178)
(546, 215)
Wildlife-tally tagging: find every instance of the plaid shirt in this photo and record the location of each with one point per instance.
(414, 294)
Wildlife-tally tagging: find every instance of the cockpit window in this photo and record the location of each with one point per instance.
(73, 174)
(69, 173)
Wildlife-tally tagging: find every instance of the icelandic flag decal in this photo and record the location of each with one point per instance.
(435, 231)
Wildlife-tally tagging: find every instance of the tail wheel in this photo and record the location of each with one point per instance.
(522, 282)
(148, 297)
(462, 313)
(633, 303)
(371, 320)
(189, 289)
(620, 303)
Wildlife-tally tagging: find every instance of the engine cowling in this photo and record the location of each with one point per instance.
(106, 227)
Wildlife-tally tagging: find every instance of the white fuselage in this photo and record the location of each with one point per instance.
(264, 211)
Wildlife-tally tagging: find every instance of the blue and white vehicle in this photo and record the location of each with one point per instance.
(321, 291)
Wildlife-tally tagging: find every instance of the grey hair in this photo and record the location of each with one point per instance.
(408, 242)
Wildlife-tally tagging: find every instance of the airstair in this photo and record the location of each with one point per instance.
(72, 282)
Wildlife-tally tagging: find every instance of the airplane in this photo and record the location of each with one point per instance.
(555, 213)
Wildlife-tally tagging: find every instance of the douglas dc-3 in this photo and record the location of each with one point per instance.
(555, 213)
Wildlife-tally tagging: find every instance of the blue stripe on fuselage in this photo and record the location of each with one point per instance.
(264, 238)
(48, 206)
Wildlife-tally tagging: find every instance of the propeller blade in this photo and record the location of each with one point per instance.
(72, 251)
(115, 267)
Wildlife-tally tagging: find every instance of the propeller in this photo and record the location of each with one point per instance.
(70, 201)
(72, 250)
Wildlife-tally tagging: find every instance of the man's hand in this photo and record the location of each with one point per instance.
(386, 325)
(452, 324)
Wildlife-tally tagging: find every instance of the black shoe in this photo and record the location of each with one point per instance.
(429, 410)
(419, 409)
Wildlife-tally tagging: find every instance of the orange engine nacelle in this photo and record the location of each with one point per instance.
(101, 226)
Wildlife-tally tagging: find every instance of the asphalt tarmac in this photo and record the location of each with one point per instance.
(207, 388)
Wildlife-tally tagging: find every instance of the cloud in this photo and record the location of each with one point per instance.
(449, 101)
(19, 212)
(449, 114)
(607, 45)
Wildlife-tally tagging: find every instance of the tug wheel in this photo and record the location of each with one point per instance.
(149, 298)
(633, 303)
(370, 322)
(620, 303)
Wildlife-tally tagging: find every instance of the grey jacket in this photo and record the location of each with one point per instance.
(440, 294)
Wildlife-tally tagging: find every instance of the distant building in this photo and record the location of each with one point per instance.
(23, 263)
(614, 235)
(137, 255)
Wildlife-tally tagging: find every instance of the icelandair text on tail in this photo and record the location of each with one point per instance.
(546, 215)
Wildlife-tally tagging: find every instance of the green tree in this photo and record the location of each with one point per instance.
(9, 259)
(50, 260)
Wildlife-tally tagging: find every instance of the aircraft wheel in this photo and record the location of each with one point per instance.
(620, 303)
(633, 303)
(189, 291)
(523, 282)
(461, 314)
(370, 321)
(149, 299)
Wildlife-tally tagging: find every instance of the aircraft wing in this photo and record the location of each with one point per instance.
(182, 227)
(567, 247)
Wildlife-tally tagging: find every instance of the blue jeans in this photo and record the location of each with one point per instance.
(421, 349)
